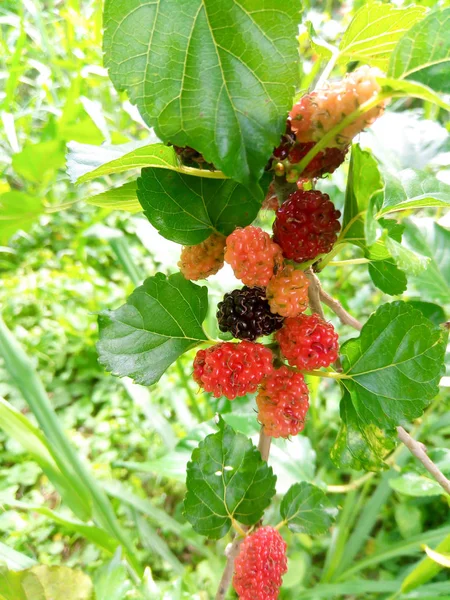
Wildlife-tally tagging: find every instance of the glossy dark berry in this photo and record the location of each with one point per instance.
(245, 313)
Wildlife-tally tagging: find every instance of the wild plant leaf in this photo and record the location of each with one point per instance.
(387, 277)
(320, 47)
(306, 509)
(123, 197)
(161, 320)
(38, 162)
(401, 88)
(18, 212)
(218, 77)
(226, 480)
(375, 30)
(393, 368)
(407, 260)
(188, 209)
(430, 239)
(423, 54)
(418, 486)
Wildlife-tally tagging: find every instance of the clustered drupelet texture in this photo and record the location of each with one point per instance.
(246, 314)
(308, 342)
(260, 565)
(287, 292)
(283, 403)
(203, 260)
(232, 370)
(253, 256)
(306, 225)
(318, 112)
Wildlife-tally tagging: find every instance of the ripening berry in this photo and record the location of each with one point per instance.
(246, 314)
(260, 565)
(287, 292)
(283, 403)
(308, 342)
(203, 260)
(232, 370)
(326, 161)
(318, 112)
(253, 256)
(306, 225)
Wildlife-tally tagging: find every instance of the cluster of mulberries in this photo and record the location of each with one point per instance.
(317, 113)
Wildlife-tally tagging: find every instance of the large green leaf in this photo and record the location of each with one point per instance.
(226, 480)
(216, 76)
(394, 366)
(188, 209)
(45, 583)
(18, 211)
(430, 239)
(413, 189)
(423, 54)
(375, 30)
(306, 509)
(387, 277)
(160, 320)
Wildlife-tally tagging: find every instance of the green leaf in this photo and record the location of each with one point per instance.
(18, 211)
(226, 480)
(320, 47)
(394, 366)
(86, 162)
(407, 260)
(358, 445)
(401, 88)
(442, 560)
(14, 560)
(45, 583)
(387, 277)
(218, 77)
(430, 239)
(375, 30)
(161, 320)
(431, 311)
(412, 484)
(425, 570)
(423, 54)
(363, 186)
(36, 161)
(188, 209)
(413, 189)
(306, 509)
(111, 580)
(119, 198)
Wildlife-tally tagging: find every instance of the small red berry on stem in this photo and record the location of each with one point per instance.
(232, 370)
(308, 342)
(260, 565)
(283, 403)
(306, 225)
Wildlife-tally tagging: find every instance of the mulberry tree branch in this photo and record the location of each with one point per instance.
(314, 293)
(344, 316)
(418, 450)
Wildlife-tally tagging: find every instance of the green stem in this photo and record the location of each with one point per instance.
(328, 374)
(329, 257)
(352, 261)
(330, 135)
(327, 71)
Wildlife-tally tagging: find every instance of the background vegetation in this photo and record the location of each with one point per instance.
(72, 259)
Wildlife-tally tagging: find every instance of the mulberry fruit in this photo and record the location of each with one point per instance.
(260, 565)
(287, 292)
(253, 256)
(283, 403)
(308, 342)
(245, 313)
(306, 225)
(318, 112)
(203, 260)
(232, 370)
(326, 161)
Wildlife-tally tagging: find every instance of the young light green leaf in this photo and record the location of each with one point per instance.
(375, 30)
(306, 509)
(187, 210)
(38, 161)
(18, 211)
(226, 480)
(161, 320)
(432, 240)
(413, 189)
(320, 47)
(412, 484)
(387, 277)
(441, 559)
(359, 446)
(218, 77)
(119, 198)
(394, 366)
(401, 88)
(423, 54)
(407, 260)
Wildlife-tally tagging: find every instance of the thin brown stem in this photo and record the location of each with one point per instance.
(314, 293)
(233, 549)
(418, 450)
(345, 317)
